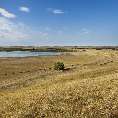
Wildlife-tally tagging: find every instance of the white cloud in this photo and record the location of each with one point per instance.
(24, 9)
(12, 30)
(15, 32)
(56, 11)
(6, 14)
(85, 31)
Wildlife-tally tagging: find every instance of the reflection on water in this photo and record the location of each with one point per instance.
(26, 53)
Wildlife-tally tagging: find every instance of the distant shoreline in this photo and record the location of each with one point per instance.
(54, 48)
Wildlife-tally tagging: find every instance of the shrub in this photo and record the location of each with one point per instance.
(59, 66)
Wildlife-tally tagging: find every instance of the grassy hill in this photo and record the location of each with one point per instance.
(87, 88)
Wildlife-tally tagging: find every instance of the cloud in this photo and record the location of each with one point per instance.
(56, 11)
(24, 9)
(14, 32)
(85, 31)
(6, 14)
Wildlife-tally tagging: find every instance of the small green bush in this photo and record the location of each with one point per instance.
(59, 66)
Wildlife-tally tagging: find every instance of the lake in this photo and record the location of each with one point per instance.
(26, 54)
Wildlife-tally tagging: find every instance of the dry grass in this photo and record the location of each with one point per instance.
(88, 89)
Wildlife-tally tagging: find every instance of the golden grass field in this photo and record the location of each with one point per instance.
(87, 88)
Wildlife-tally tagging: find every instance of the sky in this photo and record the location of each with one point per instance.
(58, 22)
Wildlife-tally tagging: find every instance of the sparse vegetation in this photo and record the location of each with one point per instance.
(89, 90)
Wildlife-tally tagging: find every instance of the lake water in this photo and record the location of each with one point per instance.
(26, 54)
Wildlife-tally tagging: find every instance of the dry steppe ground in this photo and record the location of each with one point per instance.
(87, 88)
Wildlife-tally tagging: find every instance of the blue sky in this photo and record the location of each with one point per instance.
(58, 22)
